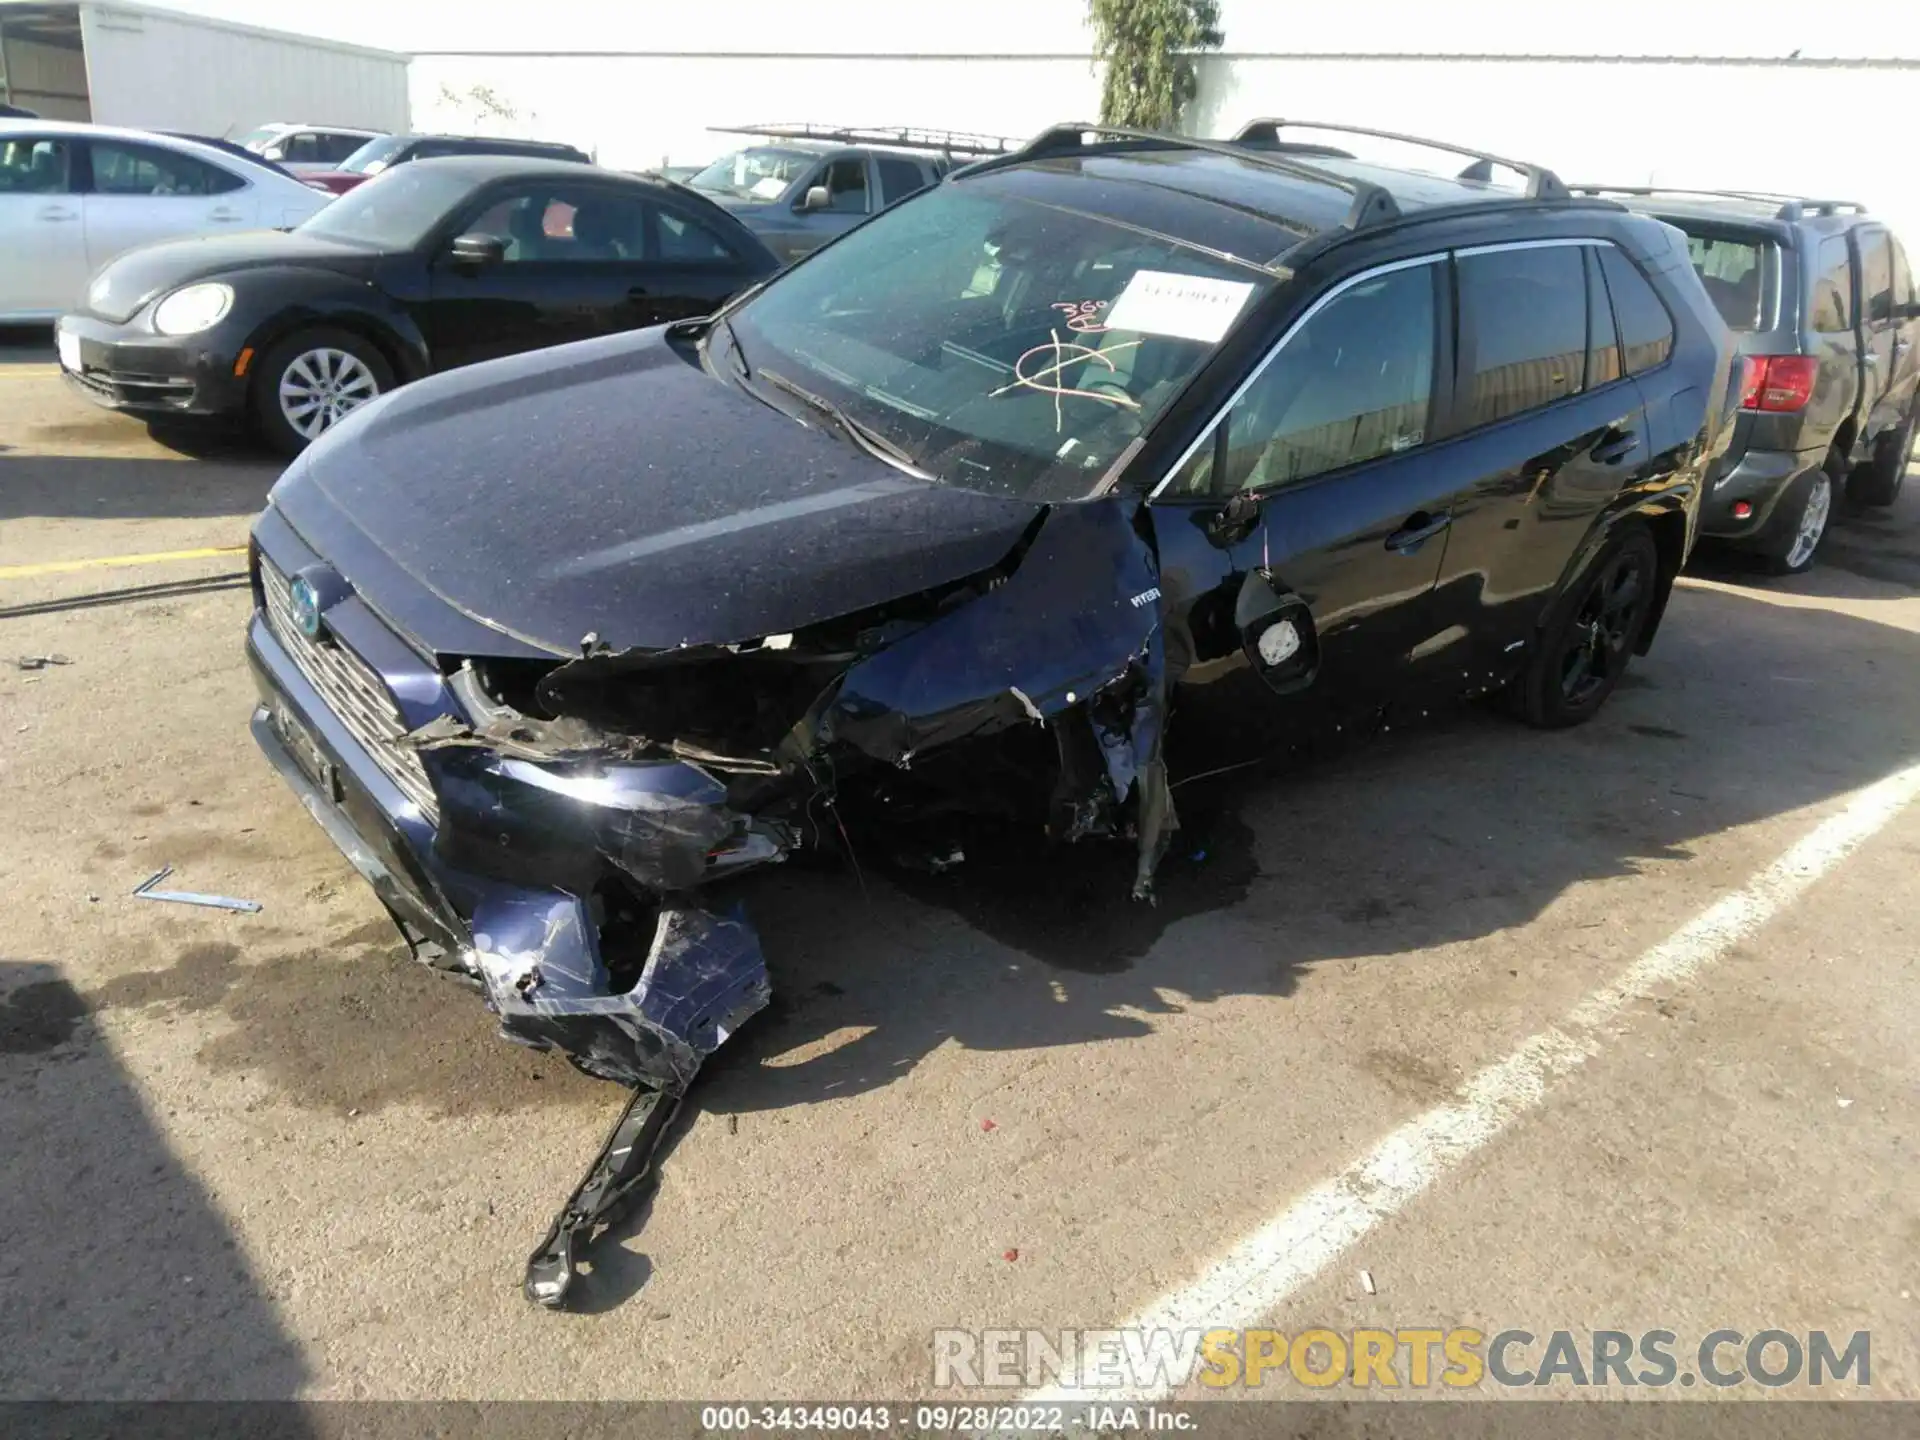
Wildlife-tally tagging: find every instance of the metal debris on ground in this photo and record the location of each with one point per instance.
(39, 662)
(624, 1161)
(1366, 1282)
(145, 891)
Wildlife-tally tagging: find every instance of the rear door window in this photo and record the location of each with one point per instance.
(120, 168)
(1603, 336)
(1525, 312)
(1902, 276)
(1831, 310)
(1646, 330)
(682, 238)
(335, 148)
(1732, 269)
(898, 178)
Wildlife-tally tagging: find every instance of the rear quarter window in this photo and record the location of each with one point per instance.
(1646, 330)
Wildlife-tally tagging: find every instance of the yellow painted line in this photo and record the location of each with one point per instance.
(28, 372)
(114, 562)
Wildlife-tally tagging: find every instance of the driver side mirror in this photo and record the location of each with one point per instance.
(818, 197)
(1908, 310)
(476, 251)
(274, 152)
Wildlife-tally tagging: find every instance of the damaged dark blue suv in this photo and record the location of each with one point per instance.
(1116, 434)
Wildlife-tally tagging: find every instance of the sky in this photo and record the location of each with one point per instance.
(1749, 28)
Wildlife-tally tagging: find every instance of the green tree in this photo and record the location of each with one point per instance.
(1149, 48)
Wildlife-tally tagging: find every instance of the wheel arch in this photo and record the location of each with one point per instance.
(1665, 518)
(1668, 526)
(320, 300)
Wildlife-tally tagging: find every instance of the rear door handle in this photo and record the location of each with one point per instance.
(1416, 530)
(636, 292)
(1869, 358)
(224, 214)
(1612, 452)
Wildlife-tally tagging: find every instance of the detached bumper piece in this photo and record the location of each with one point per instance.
(704, 977)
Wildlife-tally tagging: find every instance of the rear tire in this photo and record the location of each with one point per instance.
(310, 381)
(1878, 482)
(1590, 633)
(1801, 519)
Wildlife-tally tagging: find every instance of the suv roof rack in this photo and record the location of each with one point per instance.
(1542, 183)
(1372, 204)
(1792, 207)
(903, 137)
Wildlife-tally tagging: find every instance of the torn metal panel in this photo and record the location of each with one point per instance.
(1072, 639)
(540, 959)
(1070, 619)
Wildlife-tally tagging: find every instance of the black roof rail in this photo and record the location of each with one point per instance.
(897, 137)
(1798, 209)
(1792, 207)
(1542, 183)
(1372, 204)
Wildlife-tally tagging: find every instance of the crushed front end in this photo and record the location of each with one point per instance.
(550, 828)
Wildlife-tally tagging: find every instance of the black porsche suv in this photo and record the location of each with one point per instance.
(1821, 300)
(1118, 435)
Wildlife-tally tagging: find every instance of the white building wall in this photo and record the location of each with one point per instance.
(635, 111)
(1800, 128)
(150, 69)
(1695, 92)
(50, 80)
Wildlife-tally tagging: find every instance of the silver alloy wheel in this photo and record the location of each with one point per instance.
(1813, 520)
(320, 386)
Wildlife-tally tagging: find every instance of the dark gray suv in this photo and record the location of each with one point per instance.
(1821, 299)
(798, 186)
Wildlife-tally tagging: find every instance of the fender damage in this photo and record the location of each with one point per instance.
(1037, 687)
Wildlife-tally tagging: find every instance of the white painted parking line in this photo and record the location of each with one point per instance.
(1247, 1283)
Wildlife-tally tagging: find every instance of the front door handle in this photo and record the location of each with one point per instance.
(636, 292)
(1613, 450)
(1416, 530)
(56, 213)
(1869, 358)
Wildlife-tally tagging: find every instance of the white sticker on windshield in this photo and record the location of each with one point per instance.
(1193, 307)
(769, 187)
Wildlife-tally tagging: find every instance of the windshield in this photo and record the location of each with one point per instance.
(761, 172)
(374, 156)
(394, 211)
(1003, 344)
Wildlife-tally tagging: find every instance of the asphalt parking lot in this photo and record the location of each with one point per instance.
(265, 1155)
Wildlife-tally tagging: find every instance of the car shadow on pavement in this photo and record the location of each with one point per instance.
(1369, 852)
(98, 487)
(124, 1280)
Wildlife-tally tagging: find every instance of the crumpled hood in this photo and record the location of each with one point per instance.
(129, 282)
(611, 488)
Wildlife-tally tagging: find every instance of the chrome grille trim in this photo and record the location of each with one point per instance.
(352, 691)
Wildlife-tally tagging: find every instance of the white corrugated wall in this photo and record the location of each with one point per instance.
(158, 71)
(636, 110)
(1804, 128)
